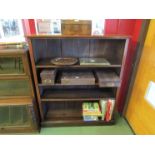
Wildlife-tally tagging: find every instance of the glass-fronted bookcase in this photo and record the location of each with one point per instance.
(18, 106)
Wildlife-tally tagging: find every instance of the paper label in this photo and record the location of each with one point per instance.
(150, 93)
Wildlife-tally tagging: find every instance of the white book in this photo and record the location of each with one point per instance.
(103, 104)
(112, 108)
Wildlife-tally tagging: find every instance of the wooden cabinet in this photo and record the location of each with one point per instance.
(61, 104)
(18, 107)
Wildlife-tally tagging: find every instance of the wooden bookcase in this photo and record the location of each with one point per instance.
(60, 104)
(18, 106)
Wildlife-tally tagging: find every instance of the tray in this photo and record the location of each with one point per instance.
(64, 61)
(93, 61)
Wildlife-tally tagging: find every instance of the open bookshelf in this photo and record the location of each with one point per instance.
(61, 104)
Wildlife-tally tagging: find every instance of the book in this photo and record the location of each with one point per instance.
(90, 118)
(107, 116)
(91, 109)
(103, 104)
(109, 111)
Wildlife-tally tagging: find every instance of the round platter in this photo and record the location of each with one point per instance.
(64, 61)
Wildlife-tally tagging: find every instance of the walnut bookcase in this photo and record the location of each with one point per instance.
(60, 104)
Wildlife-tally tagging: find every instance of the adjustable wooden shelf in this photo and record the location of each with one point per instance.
(60, 104)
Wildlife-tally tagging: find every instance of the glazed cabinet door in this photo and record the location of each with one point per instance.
(14, 117)
(15, 88)
(11, 65)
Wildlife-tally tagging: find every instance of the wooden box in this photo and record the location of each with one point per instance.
(107, 79)
(76, 27)
(77, 78)
(48, 76)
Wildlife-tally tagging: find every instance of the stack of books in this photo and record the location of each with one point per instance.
(94, 111)
(91, 111)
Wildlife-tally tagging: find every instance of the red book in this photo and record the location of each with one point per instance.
(109, 104)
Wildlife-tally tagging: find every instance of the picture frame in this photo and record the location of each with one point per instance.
(56, 27)
(48, 26)
(43, 27)
(98, 27)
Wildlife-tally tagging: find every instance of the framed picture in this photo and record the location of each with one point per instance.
(56, 27)
(43, 27)
(11, 30)
(48, 26)
(98, 27)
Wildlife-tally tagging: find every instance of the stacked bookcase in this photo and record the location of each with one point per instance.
(62, 104)
(18, 109)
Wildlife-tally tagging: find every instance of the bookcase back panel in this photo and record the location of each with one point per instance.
(46, 48)
(53, 48)
(39, 48)
(75, 48)
(110, 49)
(64, 109)
(77, 93)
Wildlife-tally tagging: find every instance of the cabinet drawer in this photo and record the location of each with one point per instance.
(14, 88)
(11, 65)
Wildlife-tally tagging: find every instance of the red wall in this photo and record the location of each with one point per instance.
(129, 27)
(132, 28)
(29, 26)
